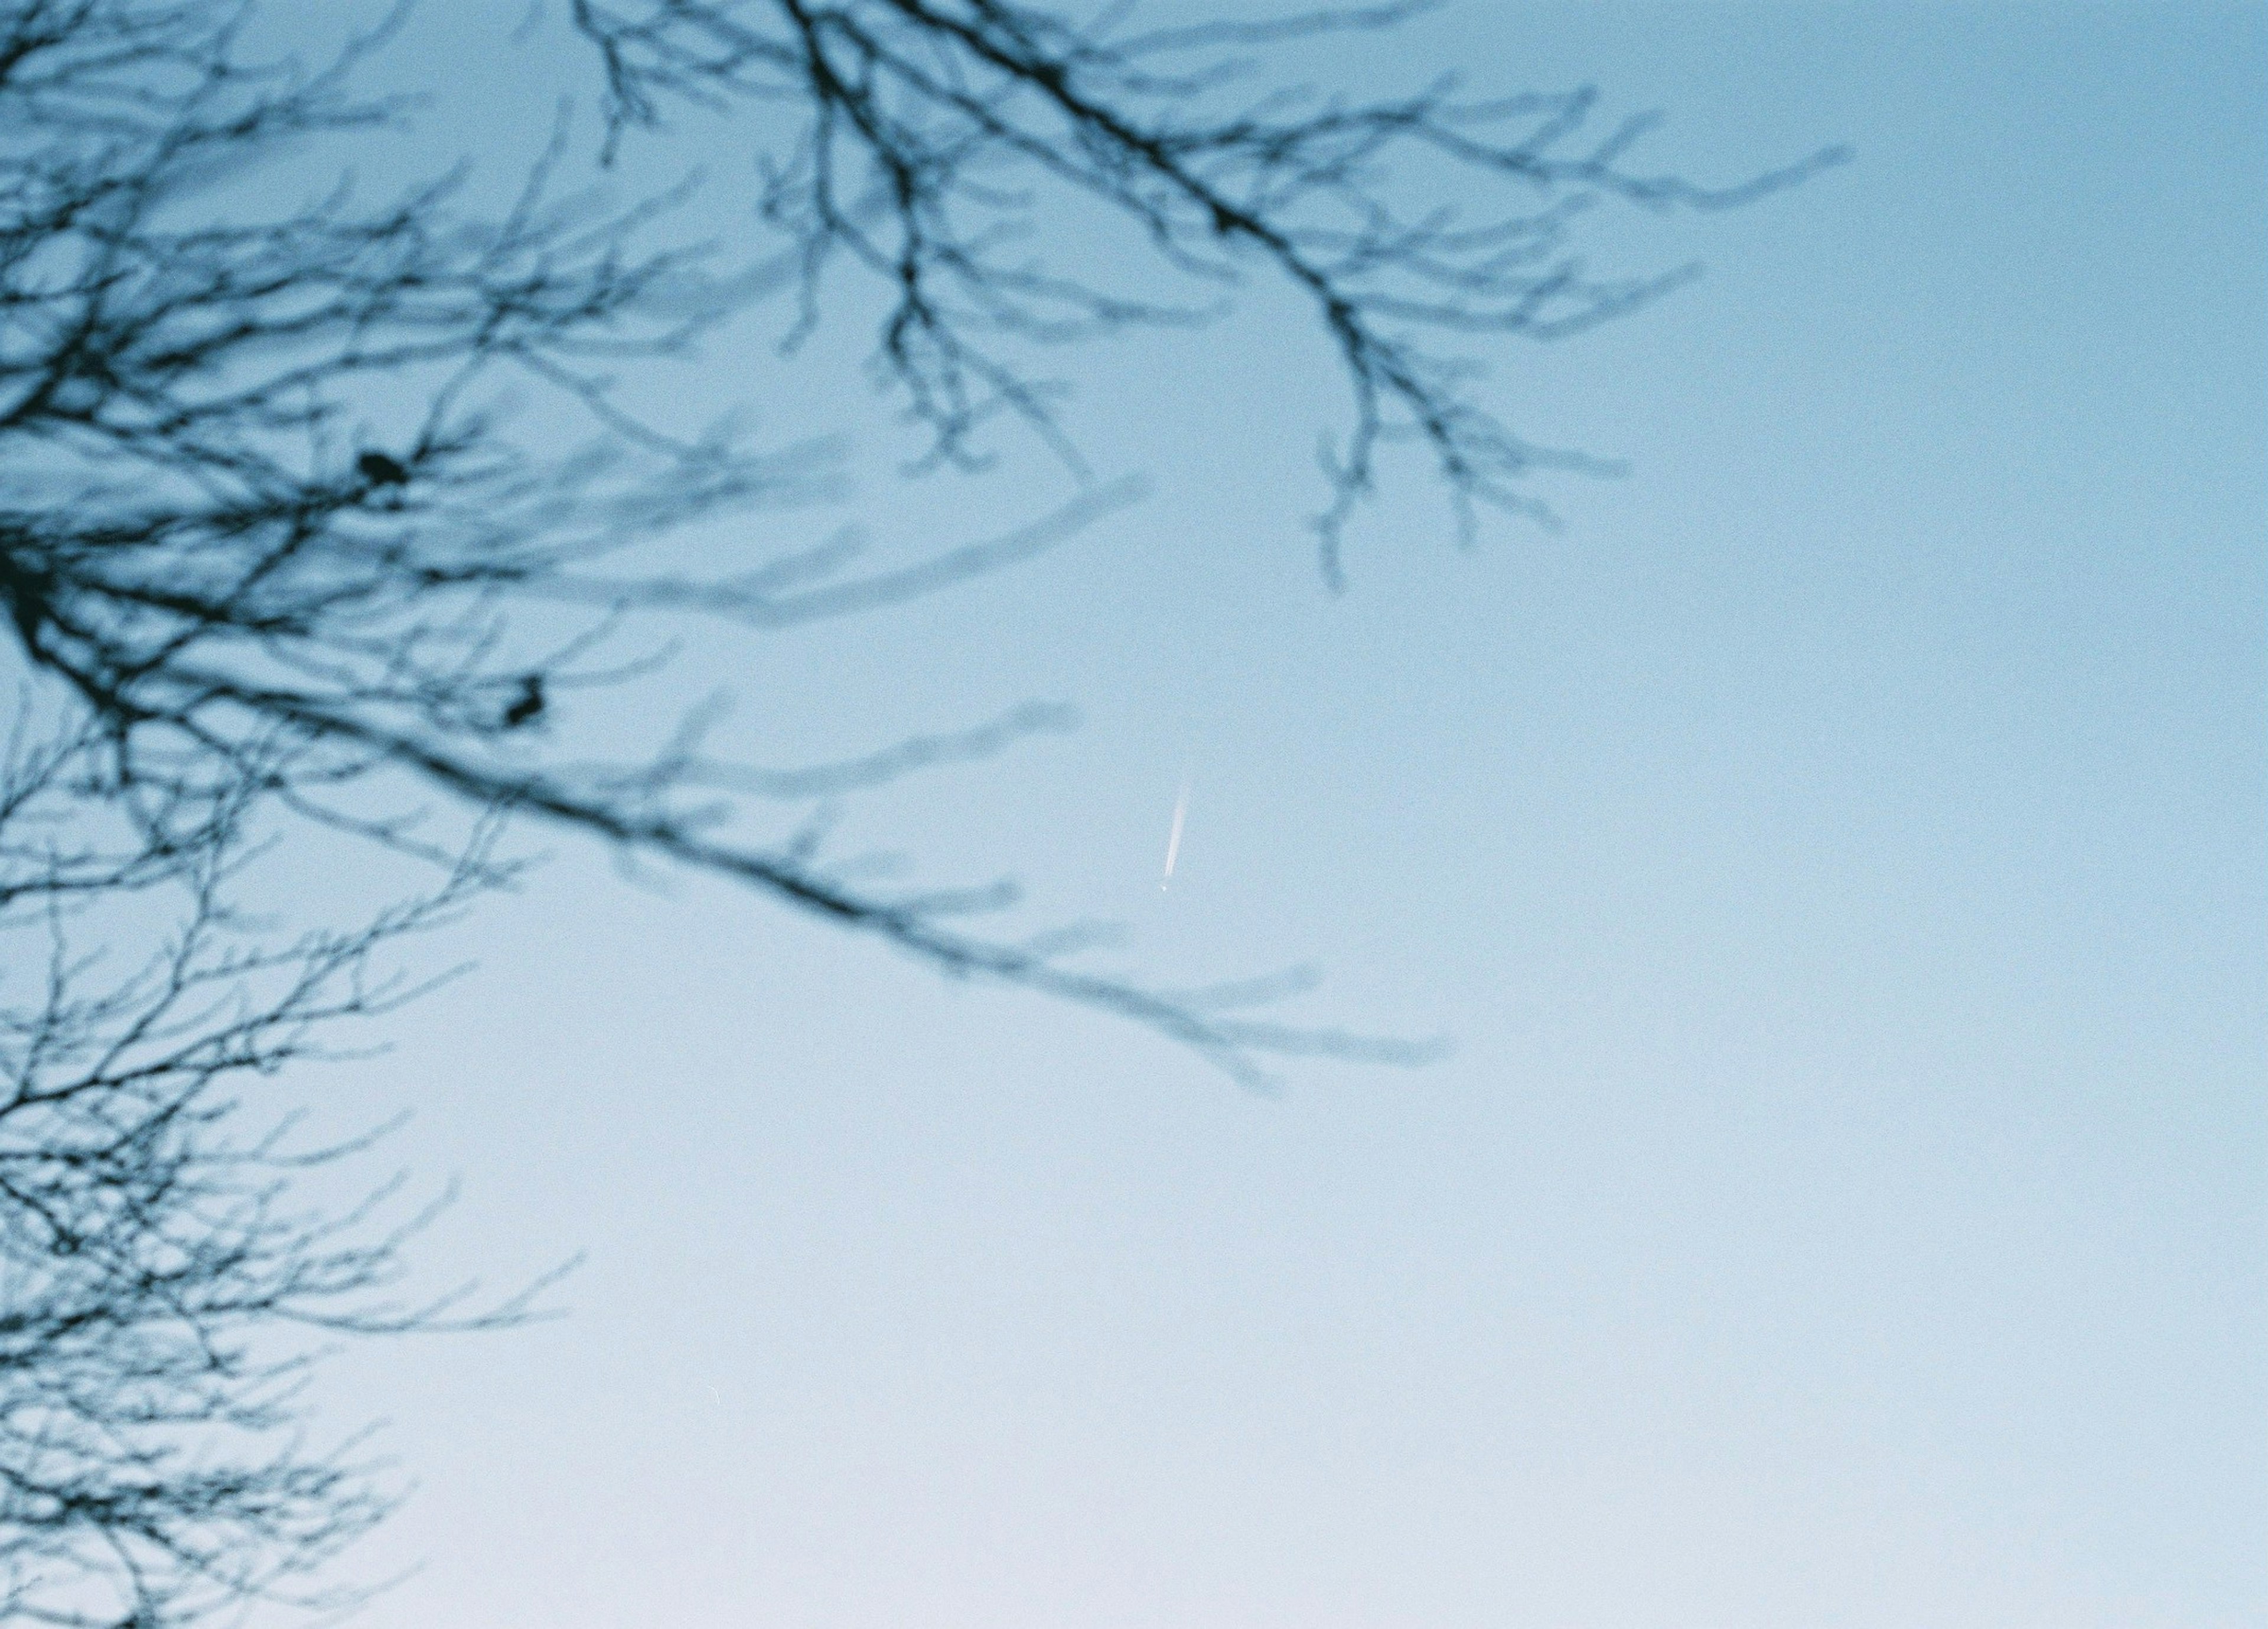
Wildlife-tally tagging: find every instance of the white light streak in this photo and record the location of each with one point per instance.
(1174, 842)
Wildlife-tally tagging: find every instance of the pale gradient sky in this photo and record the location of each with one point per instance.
(1839, 855)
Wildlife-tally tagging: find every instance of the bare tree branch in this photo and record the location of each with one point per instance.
(933, 135)
(154, 1257)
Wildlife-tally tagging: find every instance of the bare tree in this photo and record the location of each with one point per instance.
(238, 611)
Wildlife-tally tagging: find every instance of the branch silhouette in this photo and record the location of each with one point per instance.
(239, 617)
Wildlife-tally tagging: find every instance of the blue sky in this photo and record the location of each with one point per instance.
(1838, 854)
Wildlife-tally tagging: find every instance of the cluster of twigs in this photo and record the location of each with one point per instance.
(936, 140)
(158, 1251)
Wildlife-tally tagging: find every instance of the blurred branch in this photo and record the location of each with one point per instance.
(933, 135)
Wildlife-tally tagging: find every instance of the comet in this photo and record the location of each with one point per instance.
(1173, 842)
